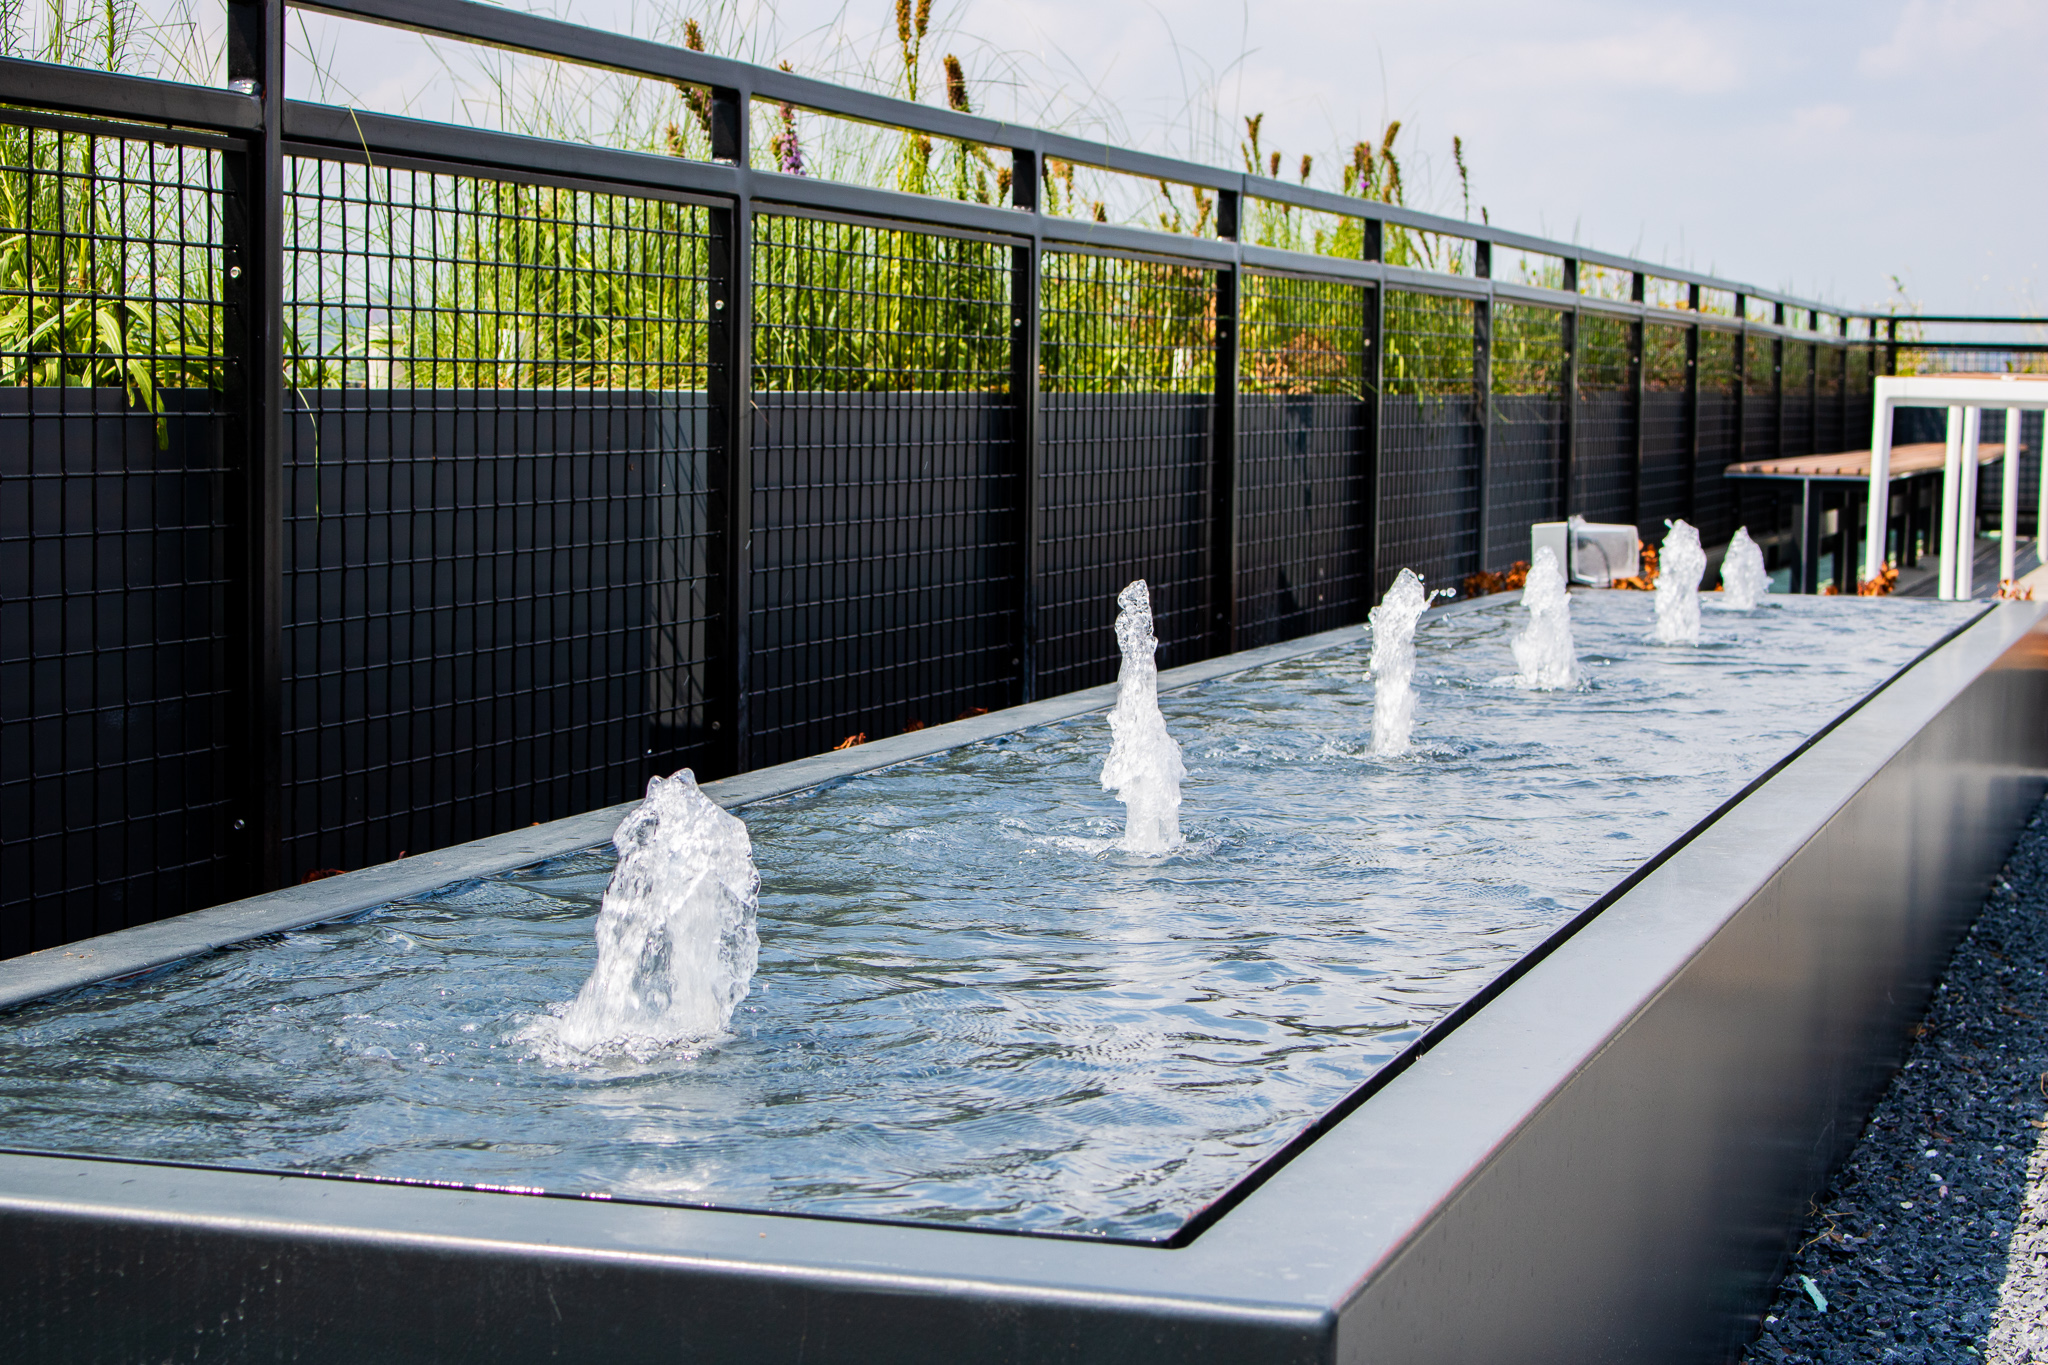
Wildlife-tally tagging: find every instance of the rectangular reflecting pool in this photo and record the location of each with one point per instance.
(972, 1007)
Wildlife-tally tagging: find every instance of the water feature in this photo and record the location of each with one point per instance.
(1744, 579)
(972, 1007)
(1544, 659)
(1680, 565)
(676, 939)
(1144, 766)
(1392, 667)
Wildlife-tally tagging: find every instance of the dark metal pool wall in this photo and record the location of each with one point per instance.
(1603, 1162)
(1655, 1103)
(586, 463)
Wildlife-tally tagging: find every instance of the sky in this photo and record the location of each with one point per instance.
(1818, 147)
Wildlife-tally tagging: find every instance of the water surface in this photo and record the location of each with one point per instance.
(971, 1007)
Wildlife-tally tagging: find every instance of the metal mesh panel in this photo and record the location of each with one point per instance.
(1969, 360)
(1991, 477)
(1429, 440)
(114, 609)
(1127, 363)
(1528, 427)
(495, 505)
(1713, 502)
(1605, 471)
(886, 525)
(1797, 431)
(1759, 399)
(1303, 502)
(1864, 363)
(1666, 433)
(1830, 411)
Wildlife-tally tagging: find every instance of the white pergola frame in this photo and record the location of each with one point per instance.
(1965, 397)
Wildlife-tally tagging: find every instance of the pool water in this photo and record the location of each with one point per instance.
(972, 1008)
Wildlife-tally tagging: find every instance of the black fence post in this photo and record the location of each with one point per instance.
(1638, 338)
(1223, 478)
(1372, 374)
(1842, 362)
(1025, 331)
(1778, 382)
(1813, 356)
(1742, 450)
(729, 387)
(1482, 391)
(252, 252)
(1891, 349)
(1692, 406)
(1568, 447)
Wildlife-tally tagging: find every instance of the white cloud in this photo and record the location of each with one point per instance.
(1931, 33)
(1816, 124)
(1674, 55)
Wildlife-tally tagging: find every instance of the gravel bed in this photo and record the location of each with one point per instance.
(1931, 1244)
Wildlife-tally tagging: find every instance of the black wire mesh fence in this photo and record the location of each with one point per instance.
(1796, 434)
(1128, 382)
(1304, 477)
(1528, 430)
(1719, 406)
(1831, 428)
(1429, 471)
(588, 465)
(1606, 464)
(117, 619)
(495, 608)
(1667, 430)
(887, 523)
(1760, 410)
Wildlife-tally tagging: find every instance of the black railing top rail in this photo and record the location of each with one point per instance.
(334, 130)
(469, 21)
(2024, 346)
(1983, 319)
(393, 140)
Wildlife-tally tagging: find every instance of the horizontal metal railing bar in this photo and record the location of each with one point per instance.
(1905, 345)
(91, 125)
(1308, 264)
(764, 208)
(489, 25)
(1123, 253)
(1514, 291)
(1428, 282)
(484, 151)
(429, 165)
(1111, 237)
(1985, 318)
(864, 201)
(78, 90)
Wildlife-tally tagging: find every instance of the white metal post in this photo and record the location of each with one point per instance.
(1878, 521)
(2009, 500)
(1951, 483)
(1966, 507)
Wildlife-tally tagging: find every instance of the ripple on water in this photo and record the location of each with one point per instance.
(972, 1007)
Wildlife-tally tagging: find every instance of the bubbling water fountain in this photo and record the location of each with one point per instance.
(1144, 768)
(1543, 653)
(1393, 663)
(1680, 564)
(1744, 579)
(676, 942)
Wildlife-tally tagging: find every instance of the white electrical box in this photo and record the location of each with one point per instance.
(1590, 552)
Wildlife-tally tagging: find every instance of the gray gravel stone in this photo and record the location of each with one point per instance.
(1931, 1244)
